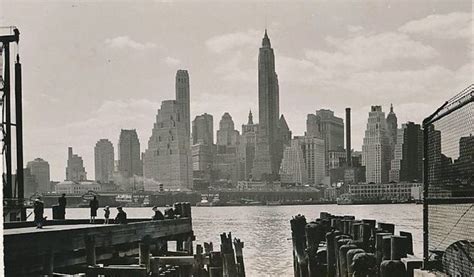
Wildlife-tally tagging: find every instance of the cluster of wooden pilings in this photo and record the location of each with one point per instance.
(345, 247)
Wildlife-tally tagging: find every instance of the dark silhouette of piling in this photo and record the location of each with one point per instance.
(392, 268)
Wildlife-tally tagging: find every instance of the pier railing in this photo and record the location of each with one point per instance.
(448, 211)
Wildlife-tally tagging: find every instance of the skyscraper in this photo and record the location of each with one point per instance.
(313, 155)
(75, 170)
(392, 126)
(376, 147)
(332, 131)
(227, 157)
(104, 161)
(407, 162)
(39, 169)
(182, 98)
(203, 147)
(168, 156)
(203, 129)
(267, 157)
(130, 163)
(248, 142)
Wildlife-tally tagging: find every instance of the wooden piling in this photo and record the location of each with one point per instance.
(215, 264)
(386, 248)
(392, 268)
(239, 245)
(144, 253)
(331, 252)
(228, 258)
(340, 241)
(387, 227)
(398, 247)
(409, 241)
(379, 246)
(364, 265)
(343, 258)
(298, 224)
(350, 259)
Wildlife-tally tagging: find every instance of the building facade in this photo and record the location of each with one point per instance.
(104, 161)
(130, 163)
(268, 152)
(332, 131)
(40, 171)
(203, 148)
(392, 127)
(76, 187)
(407, 162)
(293, 169)
(168, 156)
(376, 147)
(75, 170)
(314, 158)
(203, 129)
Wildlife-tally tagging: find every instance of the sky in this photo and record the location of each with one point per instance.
(91, 68)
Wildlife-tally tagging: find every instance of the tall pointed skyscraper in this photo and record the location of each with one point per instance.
(182, 98)
(392, 126)
(267, 157)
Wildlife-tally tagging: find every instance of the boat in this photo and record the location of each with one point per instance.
(274, 203)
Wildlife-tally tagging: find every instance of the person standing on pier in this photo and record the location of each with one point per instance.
(106, 214)
(62, 205)
(38, 209)
(94, 205)
(121, 217)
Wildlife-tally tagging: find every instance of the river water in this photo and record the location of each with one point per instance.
(266, 232)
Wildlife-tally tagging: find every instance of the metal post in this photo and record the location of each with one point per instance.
(19, 137)
(7, 189)
(425, 196)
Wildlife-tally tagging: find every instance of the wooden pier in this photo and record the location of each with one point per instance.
(138, 248)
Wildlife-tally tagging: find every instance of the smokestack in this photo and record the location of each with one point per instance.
(348, 137)
(69, 152)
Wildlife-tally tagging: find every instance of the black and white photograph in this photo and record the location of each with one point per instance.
(237, 138)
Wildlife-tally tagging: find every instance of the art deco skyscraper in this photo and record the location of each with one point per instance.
(392, 126)
(104, 161)
(376, 147)
(182, 98)
(75, 170)
(130, 163)
(39, 169)
(267, 156)
(168, 156)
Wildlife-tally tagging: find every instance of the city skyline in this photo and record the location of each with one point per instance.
(412, 82)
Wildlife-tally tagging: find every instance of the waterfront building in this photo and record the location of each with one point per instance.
(130, 163)
(183, 98)
(392, 126)
(39, 169)
(248, 144)
(168, 156)
(292, 170)
(227, 162)
(76, 187)
(376, 147)
(269, 151)
(314, 158)
(407, 162)
(384, 191)
(75, 170)
(104, 161)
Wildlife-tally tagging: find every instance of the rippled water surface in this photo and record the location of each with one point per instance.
(266, 232)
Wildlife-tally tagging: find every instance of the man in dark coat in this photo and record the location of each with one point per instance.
(158, 214)
(38, 209)
(94, 205)
(62, 205)
(121, 217)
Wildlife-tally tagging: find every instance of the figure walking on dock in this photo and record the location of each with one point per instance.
(94, 205)
(158, 214)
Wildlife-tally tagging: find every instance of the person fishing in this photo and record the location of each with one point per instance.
(106, 214)
(38, 210)
(94, 205)
(121, 217)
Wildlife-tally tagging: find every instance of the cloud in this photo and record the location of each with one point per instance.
(172, 61)
(122, 42)
(222, 43)
(442, 26)
(354, 29)
(237, 68)
(369, 51)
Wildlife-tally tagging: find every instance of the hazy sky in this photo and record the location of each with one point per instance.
(91, 68)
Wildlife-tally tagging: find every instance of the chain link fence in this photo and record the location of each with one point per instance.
(449, 186)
